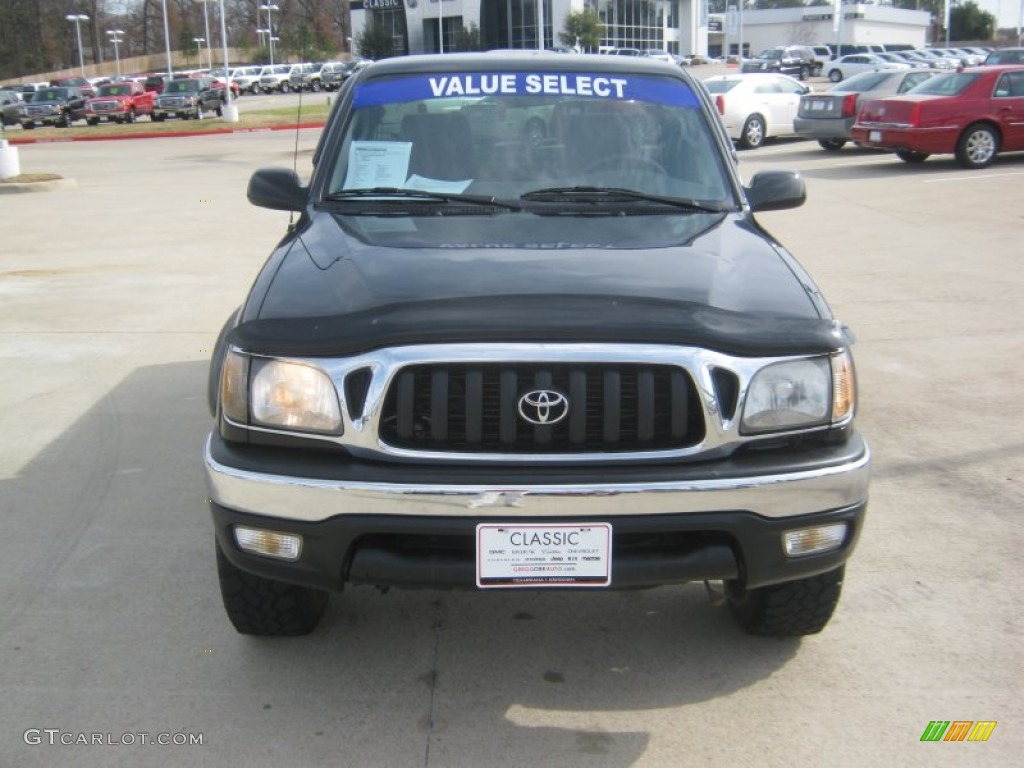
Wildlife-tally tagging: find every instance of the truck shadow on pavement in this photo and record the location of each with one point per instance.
(112, 605)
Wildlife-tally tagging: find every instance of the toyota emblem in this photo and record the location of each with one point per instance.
(543, 407)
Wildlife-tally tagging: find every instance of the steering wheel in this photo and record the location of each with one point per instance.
(621, 159)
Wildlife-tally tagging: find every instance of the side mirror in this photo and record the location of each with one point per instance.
(278, 189)
(776, 191)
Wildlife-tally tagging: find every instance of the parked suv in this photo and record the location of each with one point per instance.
(606, 374)
(54, 105)
(275, 78)
(336, 72)
(10, 107)
(188, 97)
(796, 60)
(307, 77)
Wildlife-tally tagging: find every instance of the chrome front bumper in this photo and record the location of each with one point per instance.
(771, 495)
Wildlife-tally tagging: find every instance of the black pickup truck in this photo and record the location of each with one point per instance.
(57, 105)
(526, 332)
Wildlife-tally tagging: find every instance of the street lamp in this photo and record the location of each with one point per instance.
(199, 49)
(230, 111)
(78, 18)
(206, 20)
(270, 28)
(115, 38)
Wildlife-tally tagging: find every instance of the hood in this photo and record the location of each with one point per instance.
(347, 284)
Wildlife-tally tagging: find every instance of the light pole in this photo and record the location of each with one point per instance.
(270, 28)
(199, 49)
(230, 111)
(78, 18)
(167, 44)
(206, 21)
(115, 38)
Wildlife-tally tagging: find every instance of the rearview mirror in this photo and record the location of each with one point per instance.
(776, 191)
(278, 189)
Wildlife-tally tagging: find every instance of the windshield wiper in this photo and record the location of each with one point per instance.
(419, 194)
(594, 194)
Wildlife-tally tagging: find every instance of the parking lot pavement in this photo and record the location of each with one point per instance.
(111, 295)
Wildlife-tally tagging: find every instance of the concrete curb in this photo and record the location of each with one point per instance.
(165, 134)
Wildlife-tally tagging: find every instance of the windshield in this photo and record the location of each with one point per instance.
(115, 90)
(50, 94)
(945, 85)
(181, 86)
(507, 134)
(865, 81)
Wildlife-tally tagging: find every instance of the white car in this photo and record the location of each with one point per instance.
(755, 106)
(855, 63)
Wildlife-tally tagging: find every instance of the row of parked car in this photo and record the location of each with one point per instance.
(805, 61)
(973, 113)
(283, 78)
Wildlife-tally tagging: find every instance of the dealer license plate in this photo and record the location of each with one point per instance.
(556, 555)
(874, 135)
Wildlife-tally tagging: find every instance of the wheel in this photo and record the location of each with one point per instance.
(156, 118)
(753, 133)
(199, 112)
(285, 87)
(130, 116)
(93, 121)
(911, 157)
(801, 607)
(817, 71)
(28, 126)
(534, 131)
(263, 607)
(220, 110)
(65, 120)
(977, 146)
(625, 161)
(315, 86)
(835, 75)
(805, 72)
(832, 145)
(255, 89)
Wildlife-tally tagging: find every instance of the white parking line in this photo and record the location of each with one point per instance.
(974, 177)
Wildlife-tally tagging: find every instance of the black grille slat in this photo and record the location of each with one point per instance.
(475, 408)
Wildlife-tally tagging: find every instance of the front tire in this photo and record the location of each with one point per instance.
(791, 609)
(835, 75)
(753, 134)
(977, 146)
(267, 608)
(805, 72)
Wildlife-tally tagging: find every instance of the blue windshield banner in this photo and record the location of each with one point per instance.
(612, 87)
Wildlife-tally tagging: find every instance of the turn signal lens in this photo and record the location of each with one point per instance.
(844, 387)
(809, 541)
(234, 387)
(281, 546)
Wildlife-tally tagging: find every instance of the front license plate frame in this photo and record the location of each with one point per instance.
(527, 555)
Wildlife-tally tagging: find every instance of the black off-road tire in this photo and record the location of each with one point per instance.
(805, 73)
(267, 608)
(792, 609)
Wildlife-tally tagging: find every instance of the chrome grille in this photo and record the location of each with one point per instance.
(475, 408)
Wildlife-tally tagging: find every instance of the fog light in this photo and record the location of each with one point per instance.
(808, 541)
(283, 546)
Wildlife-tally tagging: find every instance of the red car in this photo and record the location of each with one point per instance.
(119, 103)
(974, 114)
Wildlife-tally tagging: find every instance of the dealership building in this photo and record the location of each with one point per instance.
(678, 26)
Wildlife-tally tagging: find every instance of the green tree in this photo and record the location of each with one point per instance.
(468, 38)
(967, 21)
(583, 28)
(375, 42)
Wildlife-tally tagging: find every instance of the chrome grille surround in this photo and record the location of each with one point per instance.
(363, 432)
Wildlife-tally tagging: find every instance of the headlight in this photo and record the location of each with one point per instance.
(800, 393)
(294, 396)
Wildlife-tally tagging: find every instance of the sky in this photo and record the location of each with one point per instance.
(1007, 12)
